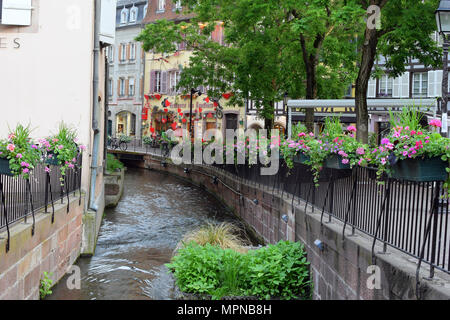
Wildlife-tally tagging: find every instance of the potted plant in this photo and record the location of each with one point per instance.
(147, 140)
(62, 149)
(18, 154)
(413, 151)
(124, 138)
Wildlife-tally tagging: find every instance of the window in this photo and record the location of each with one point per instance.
(132, 51)
(174, 79)
(110, 53)
(122, 87)
(110, 88)
(178, 5)
(133, 14)
(131, 87)
(386, 85)
(420, 84)
(123, 52)
(157, 81)
(124, 16)
(161, 5)
(15, 12)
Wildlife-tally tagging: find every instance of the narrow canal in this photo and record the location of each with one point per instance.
(138, 237)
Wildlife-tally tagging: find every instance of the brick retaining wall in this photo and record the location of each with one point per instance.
(53, 248)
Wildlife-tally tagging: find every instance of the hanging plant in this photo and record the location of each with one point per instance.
(19, 155)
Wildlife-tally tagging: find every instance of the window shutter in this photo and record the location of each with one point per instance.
(405, 85)
(396, 87)
(431, 84)
(152, 81)
(118, 88)
(120, 52)
(128, 51)
(142, 86)
(372, 87)
(16, 12)
(438, 83)
(127, 82)
(163, 81)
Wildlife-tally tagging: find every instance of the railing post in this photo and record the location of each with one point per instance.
(5, 212)
(46, 192)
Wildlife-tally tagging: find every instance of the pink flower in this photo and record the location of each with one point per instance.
(351, 128)
(74, 160)
(34, 146)
(345, 161)
(82, 147)
(11, 136)
(71, 166)
(47, 169)
(24, 164)
(26, 170)
(19, 156)
(311, 134)
(11, 147)
(383, 161)
(436, 123)
(360, 151)
(385, 141)
(302, 134)
(405, 153)
(60, 147)
(55, 140)
(413, 132)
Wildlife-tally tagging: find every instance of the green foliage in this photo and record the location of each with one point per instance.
(275, 271)
(147, 140)
(410, 117)
(19, 149)
(45, 284)
(63, 146)
(124, 138)
(113, 164)
(272, 48)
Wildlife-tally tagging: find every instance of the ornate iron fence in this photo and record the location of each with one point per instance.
(20, 198)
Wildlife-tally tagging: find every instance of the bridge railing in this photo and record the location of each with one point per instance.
(21, 198)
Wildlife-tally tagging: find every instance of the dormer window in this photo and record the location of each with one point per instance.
(124, 16)
(133, 14)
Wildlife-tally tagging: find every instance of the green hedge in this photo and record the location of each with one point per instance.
(113, 164)
(275, 271)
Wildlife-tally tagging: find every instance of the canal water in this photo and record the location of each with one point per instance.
(138, 237)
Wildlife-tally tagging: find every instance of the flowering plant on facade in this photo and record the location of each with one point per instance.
(124, 138)
(62, 148)
(22, 153)
(405, 142)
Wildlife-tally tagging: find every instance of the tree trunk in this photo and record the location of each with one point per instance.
(368, 52)
(311, 94)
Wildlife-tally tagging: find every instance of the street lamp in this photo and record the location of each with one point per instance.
(443, 25)
(193, 91)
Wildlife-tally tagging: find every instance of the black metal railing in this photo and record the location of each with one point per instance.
(412, 217)
(21, 198)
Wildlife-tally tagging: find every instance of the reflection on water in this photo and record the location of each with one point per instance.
(138, 236)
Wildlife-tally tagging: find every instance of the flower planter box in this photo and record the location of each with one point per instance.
(301, 158)
(420, 170)
(335, 162)
(4, 167)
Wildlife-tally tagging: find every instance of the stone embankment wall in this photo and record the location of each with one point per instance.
(113, 188)
(53, 248)
(342, 268)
